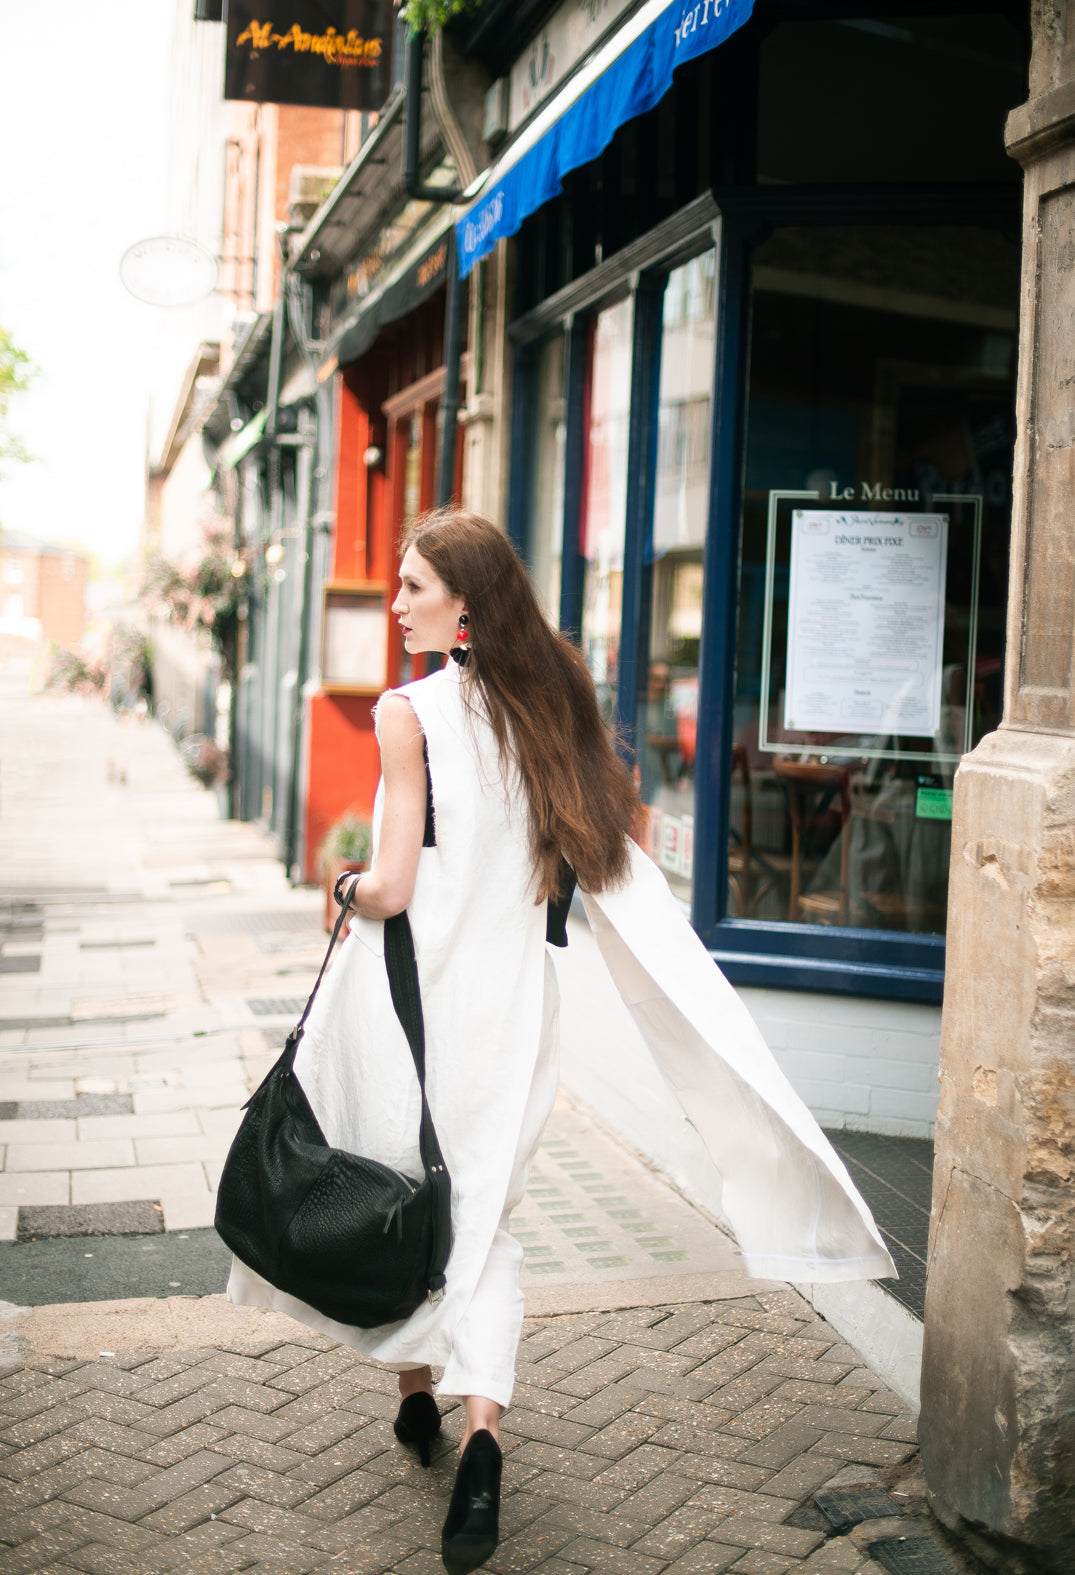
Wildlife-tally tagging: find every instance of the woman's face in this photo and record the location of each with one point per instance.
(427, 613)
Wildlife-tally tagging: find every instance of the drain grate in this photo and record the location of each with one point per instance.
(13, 1023)
(108, 946)
(46, 1221)
(277, 1005)
(77, 1022)
(846, 1508)
(68, 1109)
(912, 1556)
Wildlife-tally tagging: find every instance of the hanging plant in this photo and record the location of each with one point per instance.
(432, 16)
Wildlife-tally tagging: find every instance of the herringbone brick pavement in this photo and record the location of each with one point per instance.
(670, 1440)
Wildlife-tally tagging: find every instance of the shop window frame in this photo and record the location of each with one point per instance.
(887, 965)
(641, 271)
(768, 953)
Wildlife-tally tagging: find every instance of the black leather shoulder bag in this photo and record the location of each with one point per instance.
(358, 1241)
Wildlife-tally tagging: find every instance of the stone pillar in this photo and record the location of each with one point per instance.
(998, 1374)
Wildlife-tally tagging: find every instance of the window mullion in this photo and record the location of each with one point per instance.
(717, 654)
(641, 462)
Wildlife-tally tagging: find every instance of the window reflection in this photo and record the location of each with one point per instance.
(668, 711)
(881, 384)
(604, 510)
(547, 510)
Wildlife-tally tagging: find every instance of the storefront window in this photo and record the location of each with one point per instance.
(412, 467)
(547, 502)
(914, 97)
(873, 566)
(604, 503)
(667, 723)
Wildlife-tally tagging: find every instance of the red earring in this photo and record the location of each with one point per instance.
(463, 621)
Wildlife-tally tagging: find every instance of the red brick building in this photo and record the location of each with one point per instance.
(42, 594)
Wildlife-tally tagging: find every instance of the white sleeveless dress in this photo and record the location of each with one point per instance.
(489, 999)
(490, 1003)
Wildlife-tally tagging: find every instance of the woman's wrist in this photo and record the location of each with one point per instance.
(345, 888)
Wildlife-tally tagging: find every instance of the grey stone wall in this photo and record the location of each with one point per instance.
(998, 1376)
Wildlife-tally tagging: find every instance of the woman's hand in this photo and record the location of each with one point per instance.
(389, 886)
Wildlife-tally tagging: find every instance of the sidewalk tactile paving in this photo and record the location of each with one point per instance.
(593, 1213)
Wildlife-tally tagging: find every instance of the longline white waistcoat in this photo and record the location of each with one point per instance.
(490, 1005)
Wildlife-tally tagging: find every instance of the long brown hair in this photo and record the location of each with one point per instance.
(541, 702)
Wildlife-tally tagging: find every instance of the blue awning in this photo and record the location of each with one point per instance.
(634, 81)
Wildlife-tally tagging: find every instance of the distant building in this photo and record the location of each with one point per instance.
(42, 594)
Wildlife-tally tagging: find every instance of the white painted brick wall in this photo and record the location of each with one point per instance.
(866, 1065)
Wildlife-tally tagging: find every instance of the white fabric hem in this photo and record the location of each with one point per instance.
(818, 1271)
(457, 1384)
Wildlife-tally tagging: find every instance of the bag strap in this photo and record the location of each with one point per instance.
(407, 1000)
(286, 1059)
(345, 903)
(402, 971)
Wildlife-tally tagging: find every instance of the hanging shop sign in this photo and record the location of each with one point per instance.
(332, 54)
(168, 270)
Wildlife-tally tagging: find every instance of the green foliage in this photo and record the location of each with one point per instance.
(17, 372)
(346, 842)
(69, 674)
(130, 661)
(431, 16)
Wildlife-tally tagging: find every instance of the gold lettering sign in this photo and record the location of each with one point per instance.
(337, 49)
(336, 54)
(433, 264)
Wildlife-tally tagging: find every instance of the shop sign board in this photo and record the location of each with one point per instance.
(332, 54)
(865, 622)
(401, 293)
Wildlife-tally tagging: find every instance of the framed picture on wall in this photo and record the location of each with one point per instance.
(354, 642)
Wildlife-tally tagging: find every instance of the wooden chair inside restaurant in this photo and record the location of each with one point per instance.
(815, 788)
(740, 846)
(752, 872)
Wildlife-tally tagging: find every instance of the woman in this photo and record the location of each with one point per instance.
(518, 760)
(500, 787)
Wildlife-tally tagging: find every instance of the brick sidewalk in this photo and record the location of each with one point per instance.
(673, 1440)
(671, 1415)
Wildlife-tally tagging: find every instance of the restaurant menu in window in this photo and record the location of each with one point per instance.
(865, 622)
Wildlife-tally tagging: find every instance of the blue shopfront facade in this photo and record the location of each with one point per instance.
(770, 322)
